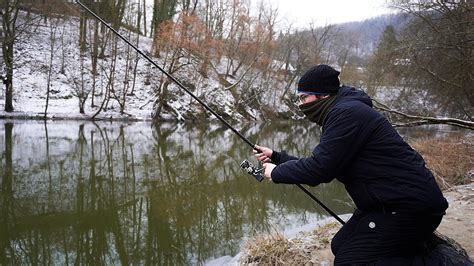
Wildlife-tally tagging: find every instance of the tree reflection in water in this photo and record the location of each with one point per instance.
(85, 193)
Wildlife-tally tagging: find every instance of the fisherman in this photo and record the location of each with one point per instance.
(398, 202)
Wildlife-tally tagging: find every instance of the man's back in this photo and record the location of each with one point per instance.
(384, 171)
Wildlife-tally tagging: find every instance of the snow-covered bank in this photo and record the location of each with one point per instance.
(71, 73)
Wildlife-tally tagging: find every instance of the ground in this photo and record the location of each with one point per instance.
(459, 220)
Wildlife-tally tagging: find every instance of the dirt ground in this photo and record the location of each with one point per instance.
(458, 223)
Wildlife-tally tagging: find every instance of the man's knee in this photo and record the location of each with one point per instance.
(336, 243)
(345, 232)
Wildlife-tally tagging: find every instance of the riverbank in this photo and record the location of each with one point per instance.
(72, 116)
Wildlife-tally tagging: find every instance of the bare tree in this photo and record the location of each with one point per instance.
(109, 72)
(53, 27)
(312, 46)
(9, 14)
(124, 89)
(94, 59)
(239, 23)
(320, 41)
(11, 31)
(144, 17)
(173, 47)
(112, 12)
(81, 89)
(344, 49)
(438, 53)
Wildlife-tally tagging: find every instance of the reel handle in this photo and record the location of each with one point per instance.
(248, 167)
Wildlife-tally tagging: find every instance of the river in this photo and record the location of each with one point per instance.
(76, 192)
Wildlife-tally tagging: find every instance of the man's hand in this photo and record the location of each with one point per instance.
(263, 154)
(268, 170)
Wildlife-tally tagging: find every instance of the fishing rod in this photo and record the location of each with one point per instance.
(246, 165)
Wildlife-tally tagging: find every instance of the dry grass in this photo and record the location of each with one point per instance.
(309, 248)
(266, 249)
(451, 159)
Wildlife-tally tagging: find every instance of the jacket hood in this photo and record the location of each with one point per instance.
(352, 93)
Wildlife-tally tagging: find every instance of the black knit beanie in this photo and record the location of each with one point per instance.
(319, 79)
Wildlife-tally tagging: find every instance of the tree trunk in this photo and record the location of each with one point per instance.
(144, 18)
(9, 92)
(9, 15)
(63, 53)
(94, 55)
(81, 88)
(162, 99)
(82, 32)
(52, 39)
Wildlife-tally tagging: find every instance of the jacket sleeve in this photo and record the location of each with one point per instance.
(344, 135)
(281, 157)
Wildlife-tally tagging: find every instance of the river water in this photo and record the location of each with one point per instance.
(75, 192)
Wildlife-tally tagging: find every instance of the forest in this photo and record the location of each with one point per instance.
(416, 64)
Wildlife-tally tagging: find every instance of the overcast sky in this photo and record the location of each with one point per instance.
(302, 12)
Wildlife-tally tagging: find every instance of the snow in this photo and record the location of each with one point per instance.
(32, 53)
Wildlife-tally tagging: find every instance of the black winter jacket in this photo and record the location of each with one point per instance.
(360, 148)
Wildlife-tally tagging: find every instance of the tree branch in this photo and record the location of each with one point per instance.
(245, 73)
(424, 120)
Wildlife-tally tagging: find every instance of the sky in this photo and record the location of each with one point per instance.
(300, 13)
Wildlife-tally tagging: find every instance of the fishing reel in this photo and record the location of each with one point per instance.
(252, 170)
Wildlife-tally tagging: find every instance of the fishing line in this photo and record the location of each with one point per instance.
(177, 82)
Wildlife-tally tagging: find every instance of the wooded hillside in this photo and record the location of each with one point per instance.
(238, 59)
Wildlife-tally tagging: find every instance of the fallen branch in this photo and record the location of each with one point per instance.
(424, 120)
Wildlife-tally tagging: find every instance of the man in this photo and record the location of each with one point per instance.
(399, 204)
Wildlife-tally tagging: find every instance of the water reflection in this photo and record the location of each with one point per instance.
(85, 193)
